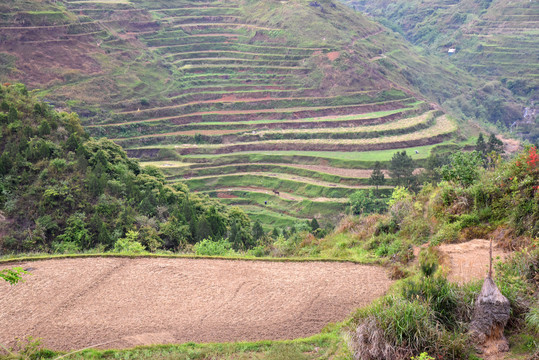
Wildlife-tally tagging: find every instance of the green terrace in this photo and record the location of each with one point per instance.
(266, 114)
(337, 159)
(231, 116)
(179, 45)
(302, 130)
(206, 128)
(188, 172)
(304, 187)
(440, 131)
(261, 105)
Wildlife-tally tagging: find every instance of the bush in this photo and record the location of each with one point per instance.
(128, 244)
(428, 261)
(394, 328)
(213, 248)
(440, 294)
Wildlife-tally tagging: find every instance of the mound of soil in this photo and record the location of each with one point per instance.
(120, 302)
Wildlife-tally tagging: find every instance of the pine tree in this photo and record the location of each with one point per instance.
(377, 176)
(494, 144)
(401, 169)
(480, 145)
(258, 231)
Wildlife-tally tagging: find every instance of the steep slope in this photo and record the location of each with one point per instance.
(496, 40)
(201, 81)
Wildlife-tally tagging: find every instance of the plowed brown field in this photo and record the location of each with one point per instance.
(121, 302)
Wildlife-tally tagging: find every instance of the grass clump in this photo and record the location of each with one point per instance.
(397, 328)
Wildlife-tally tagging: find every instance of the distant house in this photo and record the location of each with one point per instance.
(451, 51)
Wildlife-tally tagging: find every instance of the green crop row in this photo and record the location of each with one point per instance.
(179, 173)
(307, 102)
(285, 185)
(328, 133)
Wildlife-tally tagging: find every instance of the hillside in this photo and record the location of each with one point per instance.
(281, 96)
(62, 190)
(495, 40)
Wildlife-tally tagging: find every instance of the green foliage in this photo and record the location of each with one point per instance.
(428, 261)
(129, 244)
(463, 169)
(258, 231)
(213, 248)
(66, 192)
(400, 193)
(12, 276)
(401, 168)
(365, 202)
(532, 320)
(422, 356)
(405, 326)
(377, 177)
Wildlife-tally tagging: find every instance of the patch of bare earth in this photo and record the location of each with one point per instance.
(120, 302)
(470, 260)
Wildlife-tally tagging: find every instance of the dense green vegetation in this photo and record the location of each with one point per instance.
(64, 191)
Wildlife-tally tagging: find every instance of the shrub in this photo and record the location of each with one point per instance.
(439, 293)
(532, 320)
(396, 328)
(422, 356)
(213, 248)
(128, 244)
(428, 261)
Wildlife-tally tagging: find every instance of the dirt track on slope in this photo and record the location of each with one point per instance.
(121, 302)
(470, 260)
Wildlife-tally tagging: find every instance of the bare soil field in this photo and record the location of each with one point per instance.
(121, 302)
(470, 260)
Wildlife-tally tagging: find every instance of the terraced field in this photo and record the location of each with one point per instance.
(244, 89)
(245, 102)
(495, 40)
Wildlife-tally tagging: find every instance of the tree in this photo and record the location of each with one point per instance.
(364, 202)
(434, 163)
(377, 176)
(480, 145)
(76, 231)
(494, 144)
(314, 225)
(401, 169)
(463, 169)
(240, 230)
(258, 231)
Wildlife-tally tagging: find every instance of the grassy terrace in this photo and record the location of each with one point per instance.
(164, 127)
(441, 129)
(301, 130)
(244, 106)
(188, 172)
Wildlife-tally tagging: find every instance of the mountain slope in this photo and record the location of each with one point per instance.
(495, 40)
(236, 82)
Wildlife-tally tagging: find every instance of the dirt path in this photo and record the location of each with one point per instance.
(75, 303)
(470, 260)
